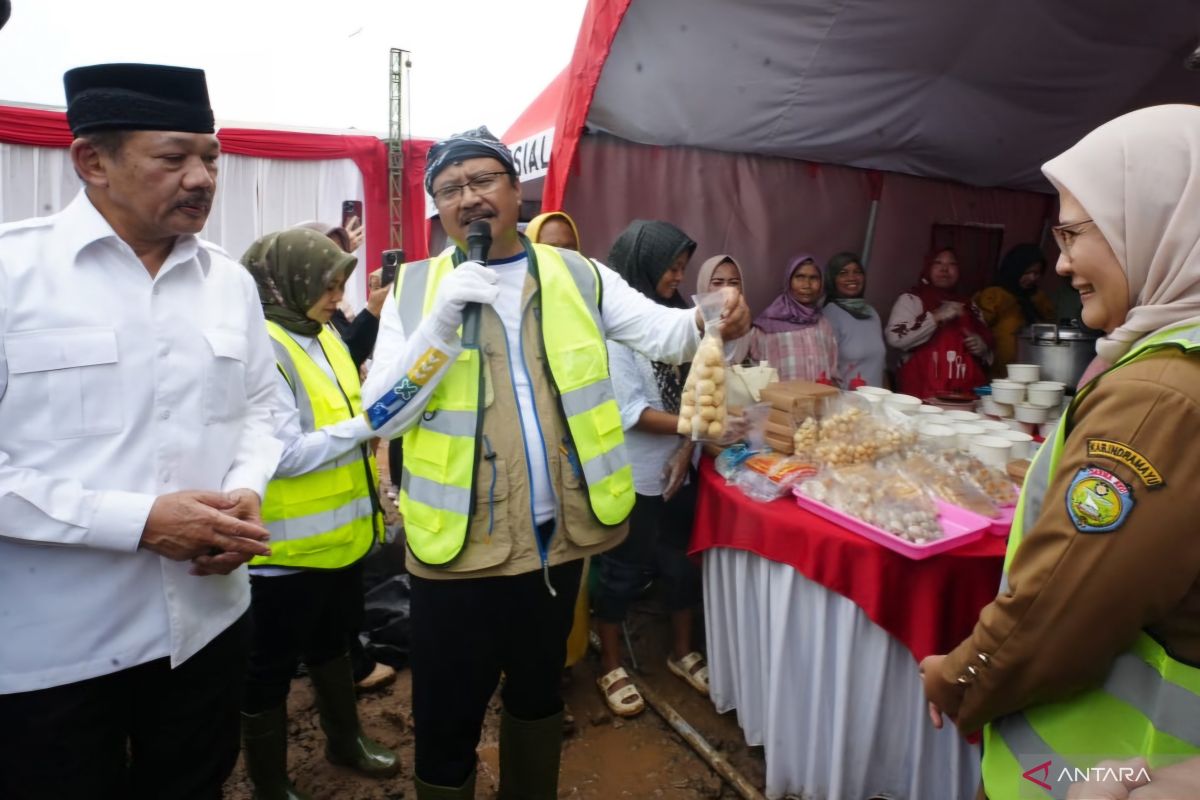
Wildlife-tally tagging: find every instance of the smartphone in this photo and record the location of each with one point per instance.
(350, 210)
(392, 259)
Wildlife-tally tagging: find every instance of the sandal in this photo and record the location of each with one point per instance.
(624, 702)
(693, 669)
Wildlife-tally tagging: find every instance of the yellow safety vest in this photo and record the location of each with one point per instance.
(441, 453)
(1149, 705)
(329, 518)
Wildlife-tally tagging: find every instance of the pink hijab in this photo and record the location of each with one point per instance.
(1138, 177)
(785, 313)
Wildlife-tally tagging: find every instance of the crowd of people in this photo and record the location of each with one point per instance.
(169, 416)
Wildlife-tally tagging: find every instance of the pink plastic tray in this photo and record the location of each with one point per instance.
(1000, 525)
(961, 527)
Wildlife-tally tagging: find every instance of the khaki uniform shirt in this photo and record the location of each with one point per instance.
(1077, 600)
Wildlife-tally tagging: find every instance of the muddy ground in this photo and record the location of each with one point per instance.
(603, 757)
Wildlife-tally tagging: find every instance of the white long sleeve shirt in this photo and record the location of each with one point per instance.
(664, 334)
(116, 387)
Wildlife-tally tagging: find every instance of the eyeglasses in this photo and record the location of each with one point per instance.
(1065, 235)
(480, 184)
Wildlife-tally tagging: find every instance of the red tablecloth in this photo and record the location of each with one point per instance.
(929, 605)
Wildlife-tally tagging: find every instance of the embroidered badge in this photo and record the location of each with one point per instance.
(1124, 454)
(1098, 501)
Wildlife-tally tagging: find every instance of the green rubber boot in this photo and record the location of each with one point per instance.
(427, 791)
(264, 741)
(530, 752)
(345, 743)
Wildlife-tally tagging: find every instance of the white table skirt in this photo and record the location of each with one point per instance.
(833, 699)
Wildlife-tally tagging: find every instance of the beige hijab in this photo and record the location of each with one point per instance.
(1138, 177)
(738, 349)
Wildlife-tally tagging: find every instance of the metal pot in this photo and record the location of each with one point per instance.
(1062, 351)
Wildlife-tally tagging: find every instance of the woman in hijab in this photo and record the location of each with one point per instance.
(861, 351)
(945, 345)
(1092, 645)
(792, 335)
(651, 256)
(715, 274)
(1014, 301)
(321, 508)
(555, 228)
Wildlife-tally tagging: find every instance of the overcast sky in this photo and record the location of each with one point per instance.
(304, 63)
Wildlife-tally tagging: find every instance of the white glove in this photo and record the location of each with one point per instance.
(948, 311)
(470, 282)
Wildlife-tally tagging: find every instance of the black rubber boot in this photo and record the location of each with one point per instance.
(530, 752)
(427, 791)
(345, 743)
(264, 742)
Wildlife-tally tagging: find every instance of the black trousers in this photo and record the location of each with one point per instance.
(657, 544)
(306, 615)
(466, 632)
(144, 732)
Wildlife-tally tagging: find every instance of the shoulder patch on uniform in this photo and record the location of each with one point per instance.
(1098, 501)
(1124, 454)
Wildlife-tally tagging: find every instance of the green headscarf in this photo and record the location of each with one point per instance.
(856, 307)
(292, 269)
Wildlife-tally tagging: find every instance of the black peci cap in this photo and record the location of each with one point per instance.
(147, 97)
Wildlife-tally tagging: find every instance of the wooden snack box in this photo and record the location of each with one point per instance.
(797, 399)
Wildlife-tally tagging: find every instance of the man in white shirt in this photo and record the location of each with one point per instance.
(505, 490)
(136, 388)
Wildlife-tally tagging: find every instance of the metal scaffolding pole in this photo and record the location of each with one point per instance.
(398, 62)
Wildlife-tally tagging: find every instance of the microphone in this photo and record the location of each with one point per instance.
(479, 241)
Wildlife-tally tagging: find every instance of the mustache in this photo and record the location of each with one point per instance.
(197, 199)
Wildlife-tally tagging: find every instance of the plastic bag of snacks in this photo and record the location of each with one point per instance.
(942, 481)
(879, 496)
(768, 476)
(702, 410)
(854, 432)
(994, 483)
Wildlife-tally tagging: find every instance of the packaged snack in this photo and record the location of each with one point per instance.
(854, 431)
(943, 482)
(879, 497)
(768, 476)
(702, 410)
(993, 482)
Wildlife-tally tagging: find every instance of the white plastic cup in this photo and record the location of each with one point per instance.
(1008, 392)
(1048, 394)
(1023, 373)
(1034, 415)
(990, 425)
(904, 403)
(964, 432)
(874, 394)
(994, 451)
(961, 415)
(1022, 443)
(936, 434)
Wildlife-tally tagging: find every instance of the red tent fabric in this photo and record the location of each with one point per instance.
(541, 113)
(600, 22)
(46, 128)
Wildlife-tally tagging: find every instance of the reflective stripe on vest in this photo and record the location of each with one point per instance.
(325, 519)
(440, 452)
(1148, 705)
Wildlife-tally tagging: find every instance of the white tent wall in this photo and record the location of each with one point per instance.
(254, 196)
(763, 210)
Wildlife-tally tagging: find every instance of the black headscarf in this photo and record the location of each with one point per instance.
(644, 251)
(641, 254)
(1008, 276)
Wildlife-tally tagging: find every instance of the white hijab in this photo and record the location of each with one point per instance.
(1138, 177)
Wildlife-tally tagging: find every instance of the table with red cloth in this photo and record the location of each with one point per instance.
(814, 635)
